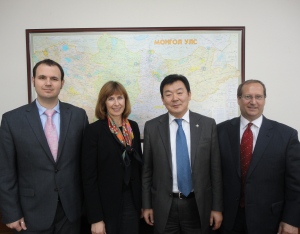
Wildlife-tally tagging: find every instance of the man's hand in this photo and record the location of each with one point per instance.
(216, 218)
(98, 228)
(17, 225)
(285, 228)
(148, 216)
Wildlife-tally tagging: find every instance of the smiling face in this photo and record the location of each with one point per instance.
(47, 83)
(176, 98)
(253, 108)
(115, 105)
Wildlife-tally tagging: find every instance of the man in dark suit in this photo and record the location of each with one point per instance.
(40, 184)
(165, 204)
(261, 195)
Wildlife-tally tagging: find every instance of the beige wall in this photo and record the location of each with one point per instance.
(272, 38)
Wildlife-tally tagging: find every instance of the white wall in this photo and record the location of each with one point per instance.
(272, 38)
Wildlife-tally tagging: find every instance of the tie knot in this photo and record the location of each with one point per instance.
(249, 125)
(179, 122)
(50, 112)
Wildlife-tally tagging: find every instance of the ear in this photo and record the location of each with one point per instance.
(32, 80)
(239, 99)
(62, 84)
(162, 99)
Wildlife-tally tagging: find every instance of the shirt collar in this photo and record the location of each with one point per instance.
(42, 109)
(185, 117)
(257, 122)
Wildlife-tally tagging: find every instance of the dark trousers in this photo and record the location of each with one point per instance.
(145, 228)
(240, 226)
(130, 217)
(183, 217)
(61, 225)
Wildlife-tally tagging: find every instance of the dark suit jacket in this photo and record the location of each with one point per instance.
(30, 179)
(272, 190)
(102, 169)
(157, 179)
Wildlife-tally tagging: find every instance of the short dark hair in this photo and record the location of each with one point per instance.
(50, 63)
(108, 89)
(239, 90)
(170, 79)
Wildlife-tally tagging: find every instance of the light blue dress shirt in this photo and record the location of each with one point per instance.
(55, 117)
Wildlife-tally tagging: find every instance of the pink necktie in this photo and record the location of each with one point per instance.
(51, 133)
(246, 155)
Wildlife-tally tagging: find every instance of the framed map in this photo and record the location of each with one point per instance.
(212, 58)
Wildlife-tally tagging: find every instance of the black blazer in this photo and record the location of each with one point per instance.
(102, 170)
(30, 179)
(272, 190)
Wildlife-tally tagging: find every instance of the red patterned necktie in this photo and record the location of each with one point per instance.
(51, 133)
(246, 155)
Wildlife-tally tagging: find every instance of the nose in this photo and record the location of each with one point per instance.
(174, 97)
(116, 102)
(48, 82)
(253, 100)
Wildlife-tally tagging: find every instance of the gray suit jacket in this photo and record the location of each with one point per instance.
(272, 188)
(30, 180)
(157, 171)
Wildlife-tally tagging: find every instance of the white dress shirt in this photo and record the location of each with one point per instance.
(173, 130)
(254, 128)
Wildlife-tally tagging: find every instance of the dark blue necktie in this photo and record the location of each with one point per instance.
(184, 175)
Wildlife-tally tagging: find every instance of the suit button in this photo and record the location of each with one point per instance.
(170, 194)
(56, 189)
(56, 170)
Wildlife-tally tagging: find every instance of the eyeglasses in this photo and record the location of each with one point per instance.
(249, 97)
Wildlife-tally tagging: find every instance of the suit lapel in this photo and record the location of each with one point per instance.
(34, 121)
(195, 130)
(65, 116)
(113, 137)
(165, 136)
(263, 139)
(234, 136)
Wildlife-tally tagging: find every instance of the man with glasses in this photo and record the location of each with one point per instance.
(260, 167)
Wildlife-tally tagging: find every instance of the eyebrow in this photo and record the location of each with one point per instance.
(171, 91)
(40, 76)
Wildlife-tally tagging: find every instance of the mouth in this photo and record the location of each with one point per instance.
(176, 106)
(252, 108)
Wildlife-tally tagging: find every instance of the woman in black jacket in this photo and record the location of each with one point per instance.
(111, 165)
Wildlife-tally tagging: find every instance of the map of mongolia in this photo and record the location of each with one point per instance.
(140, 61)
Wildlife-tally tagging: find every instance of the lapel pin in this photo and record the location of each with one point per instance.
(197, 125)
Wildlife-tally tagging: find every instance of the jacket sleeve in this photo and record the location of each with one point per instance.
(9, 198)
(216, 172)
(147, 171)
(89, 175)
(291, 212)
